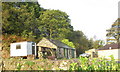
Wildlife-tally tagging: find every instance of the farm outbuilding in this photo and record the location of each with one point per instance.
(23, 49)
(49, 47)
(46, 48)
(110, 49)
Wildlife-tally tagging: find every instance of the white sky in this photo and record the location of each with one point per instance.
(92, 17)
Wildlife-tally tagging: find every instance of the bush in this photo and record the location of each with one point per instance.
(7, 40)
(95, 64)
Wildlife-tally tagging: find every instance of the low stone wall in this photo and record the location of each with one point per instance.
(15, 64)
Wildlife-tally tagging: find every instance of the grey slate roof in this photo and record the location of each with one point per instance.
(113, 46)
(59, 44)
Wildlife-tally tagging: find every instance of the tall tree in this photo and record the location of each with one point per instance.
(95, 44)
(80, 41)
(54, 24)
(21, 18)
(98, 44)
(113, 34)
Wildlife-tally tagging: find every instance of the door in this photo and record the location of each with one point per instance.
(33, 48)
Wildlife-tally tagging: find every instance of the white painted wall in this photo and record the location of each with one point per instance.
(26, 49)
(107, 53)
(29, 48)
(18, 52)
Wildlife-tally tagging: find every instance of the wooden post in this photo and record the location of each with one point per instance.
(74, 53)
(35, 50)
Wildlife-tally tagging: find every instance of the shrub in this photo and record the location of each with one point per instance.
(95, 64)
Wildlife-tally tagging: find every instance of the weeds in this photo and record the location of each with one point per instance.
(30, 64)
(95, 64)
(19, 66)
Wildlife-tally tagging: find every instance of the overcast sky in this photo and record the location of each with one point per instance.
(92, 17)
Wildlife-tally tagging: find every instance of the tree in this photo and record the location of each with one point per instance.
(80, 41)
(20, 18)
(90, 43)
(54, 24)
(95, 44)
(113, 34)
(29, 20)
(98, 44)
(67, 42)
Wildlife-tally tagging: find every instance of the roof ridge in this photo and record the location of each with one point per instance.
(114, 46)
(54, 42)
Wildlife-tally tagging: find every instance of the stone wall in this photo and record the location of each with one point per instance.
(15, 64)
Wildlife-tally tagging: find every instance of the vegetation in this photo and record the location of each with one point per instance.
(95, 64)
(114, 32)
(96, 44)
(7, 39)
(82, 43)
(20, 18)
(54, 24)
(28, 21)
(66, 41)
(81, 64)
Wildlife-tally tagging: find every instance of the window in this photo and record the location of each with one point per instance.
(18, 46)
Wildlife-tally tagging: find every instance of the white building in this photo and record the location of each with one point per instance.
(23, 48)
(110, 49)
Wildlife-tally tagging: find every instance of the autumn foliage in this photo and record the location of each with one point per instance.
(6, 40)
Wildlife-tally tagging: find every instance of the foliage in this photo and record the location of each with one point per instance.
(95, 64)
(19, 66)
(7, 39)
(20, 18)
(66, 41)
(96, 44)
(27, 21)
(114, 31)
(80, 41)
(30, 64)
(80, 64)
(73, 66)
(39, 68)
(54, 24)
(30, 21)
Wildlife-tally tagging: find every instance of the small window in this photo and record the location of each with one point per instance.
(18, 46)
